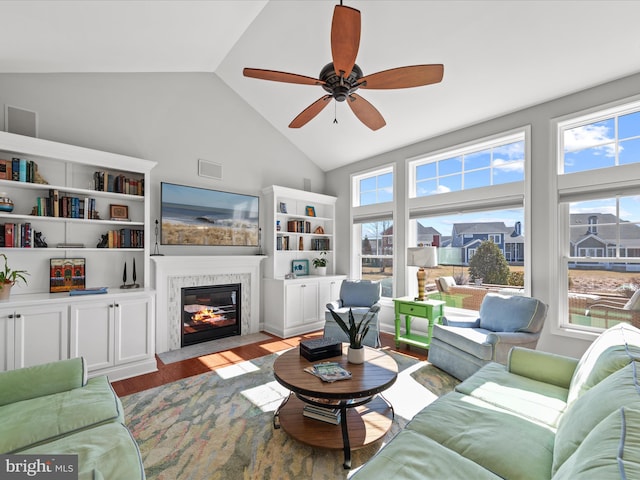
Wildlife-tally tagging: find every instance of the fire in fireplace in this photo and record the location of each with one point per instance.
(210, 312)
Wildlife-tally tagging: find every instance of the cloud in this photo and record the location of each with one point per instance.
(591, 136)
(508, 166)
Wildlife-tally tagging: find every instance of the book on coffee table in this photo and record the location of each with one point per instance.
(331, 371)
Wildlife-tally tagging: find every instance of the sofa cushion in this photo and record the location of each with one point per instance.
(445, 283)
(498, 440)
(41, 380)
(406, 458)
(539, 401)
(610, 451)
(470, 340)
(505, 313)
(612, 350)
(38, 420)
(362, 293)
(104, 452)
(619, 389)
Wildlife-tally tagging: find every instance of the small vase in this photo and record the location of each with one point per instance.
(322, 271)
(355, 355)
(5, 291)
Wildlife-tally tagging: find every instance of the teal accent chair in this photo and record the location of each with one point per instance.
(361, 296)
(460, 347)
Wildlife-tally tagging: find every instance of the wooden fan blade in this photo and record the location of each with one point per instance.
(366, 112)
(345, 39)
(310, 112)
(404, 77)
(276, 76)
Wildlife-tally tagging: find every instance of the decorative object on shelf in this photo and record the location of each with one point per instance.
(278, 226)
(126, 285)
(259, 241)
(67, 274)
(156, 250)
(6, 204)
(311, 211)
(356, 333)
(283, 207)
(9, 277)
(422, 257)
(300, 267)
(39, 241)
(320, 264)
(118, 212)
(301, 244)
(319, 230)
(104, 241)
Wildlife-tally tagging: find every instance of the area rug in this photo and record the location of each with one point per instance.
(218, 425)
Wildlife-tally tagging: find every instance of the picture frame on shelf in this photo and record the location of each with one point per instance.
(66, 274)
(300, 267)
(118, 212)
(282, 207)
(311, 211)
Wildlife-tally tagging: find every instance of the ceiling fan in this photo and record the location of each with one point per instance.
(342, 77)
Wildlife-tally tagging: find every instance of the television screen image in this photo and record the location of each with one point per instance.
(200, 216)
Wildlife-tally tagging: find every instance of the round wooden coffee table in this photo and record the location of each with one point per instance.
(368, 415)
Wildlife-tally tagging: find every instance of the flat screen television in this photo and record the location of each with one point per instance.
(200, 216)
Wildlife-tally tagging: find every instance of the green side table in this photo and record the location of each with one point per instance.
(432, 310)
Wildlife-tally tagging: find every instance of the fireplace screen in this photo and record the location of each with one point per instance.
(210, 312)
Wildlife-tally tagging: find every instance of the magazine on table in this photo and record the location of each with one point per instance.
(329, 371)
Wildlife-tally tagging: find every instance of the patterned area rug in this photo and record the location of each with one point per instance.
(219, 425)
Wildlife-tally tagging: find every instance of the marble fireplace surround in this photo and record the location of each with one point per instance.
(174, 272)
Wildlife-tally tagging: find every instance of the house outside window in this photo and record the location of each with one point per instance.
(377, 254)
(599, 240)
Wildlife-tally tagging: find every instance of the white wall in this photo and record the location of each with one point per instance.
(173, 119)
(542, 201)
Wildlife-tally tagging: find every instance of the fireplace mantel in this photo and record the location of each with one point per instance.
(173, 272)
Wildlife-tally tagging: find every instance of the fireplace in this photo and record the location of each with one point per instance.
(210, 312)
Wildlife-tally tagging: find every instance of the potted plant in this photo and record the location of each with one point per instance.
(9, 277)
(320, 263)
(356, 333)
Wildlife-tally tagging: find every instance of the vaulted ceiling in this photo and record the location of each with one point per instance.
(499, 56)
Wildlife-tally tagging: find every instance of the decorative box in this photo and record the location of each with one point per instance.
(319, 348)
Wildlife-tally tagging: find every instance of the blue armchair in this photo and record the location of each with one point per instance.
(361, 297)
(460, 347)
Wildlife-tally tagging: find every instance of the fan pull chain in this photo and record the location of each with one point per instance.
(335, 113)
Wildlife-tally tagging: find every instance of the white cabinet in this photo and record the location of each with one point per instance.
(299, 225)
(296, 306)
(34, 335)
(115, 335)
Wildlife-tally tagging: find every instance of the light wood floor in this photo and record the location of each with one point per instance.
(195, 366)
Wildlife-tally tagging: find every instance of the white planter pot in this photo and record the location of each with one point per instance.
(322, 271)
(355, 355)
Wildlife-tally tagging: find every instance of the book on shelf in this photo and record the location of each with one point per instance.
(329, 371)
(87, 291)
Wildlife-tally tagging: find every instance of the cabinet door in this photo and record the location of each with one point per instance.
(134, 329)
(310, 302)
(92, 333)
(294, 305)
(41, 335)
(6, 340)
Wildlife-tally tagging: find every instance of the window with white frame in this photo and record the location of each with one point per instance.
(373, 235)
(467, 195)
(600, 217)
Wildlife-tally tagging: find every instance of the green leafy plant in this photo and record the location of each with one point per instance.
(355, 331)
(320, 261)
(9, 276)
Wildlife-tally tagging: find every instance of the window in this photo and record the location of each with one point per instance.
(376, 240)
(374, 187)
(605, 139)
(481, 165)
(599, 240)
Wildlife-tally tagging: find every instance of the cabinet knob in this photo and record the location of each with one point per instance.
(18, 315)
(117, 305)
(11, 315)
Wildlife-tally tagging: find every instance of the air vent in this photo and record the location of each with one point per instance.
(209, 169)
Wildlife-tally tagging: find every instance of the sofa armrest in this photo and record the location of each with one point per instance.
(336, 304)
(512, 338)
(41, 380)
(542, 366)
(461, 322)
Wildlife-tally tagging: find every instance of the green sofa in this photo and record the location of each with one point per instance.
(53, 409)
(542, 416)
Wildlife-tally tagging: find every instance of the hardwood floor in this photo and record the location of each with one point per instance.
(195, 366)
